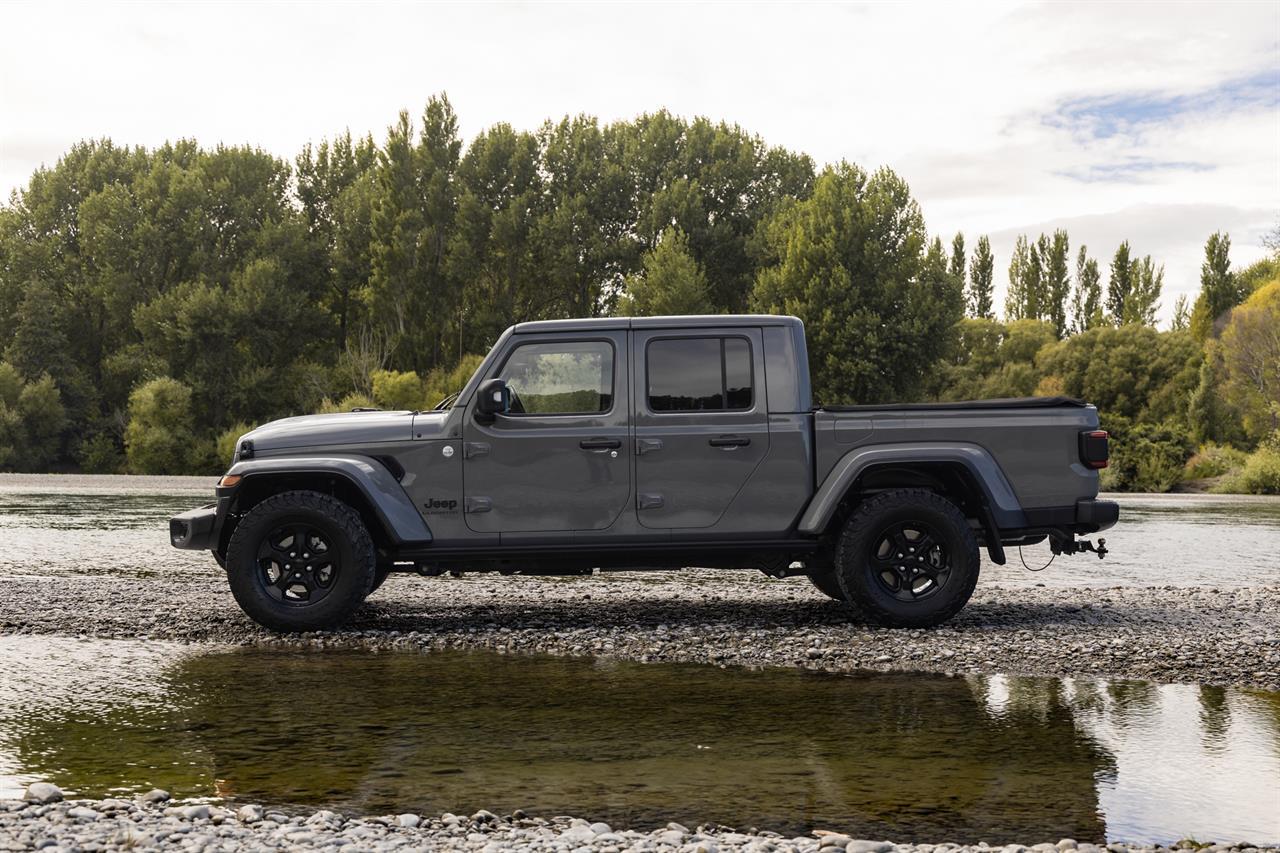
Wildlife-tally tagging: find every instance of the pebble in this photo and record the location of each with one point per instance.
(43, 792)
(85, 826)
(156, 795)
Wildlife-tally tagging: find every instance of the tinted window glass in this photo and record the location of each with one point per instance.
(560, 378)
(699, 374)
(737, 373)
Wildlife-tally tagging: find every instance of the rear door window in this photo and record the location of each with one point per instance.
(699, 374)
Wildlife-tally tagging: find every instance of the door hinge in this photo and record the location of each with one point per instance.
(477, 504)
(644, 501)
(471, 449)
(647, 445)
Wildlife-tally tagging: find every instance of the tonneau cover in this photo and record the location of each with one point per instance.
(1004, 403)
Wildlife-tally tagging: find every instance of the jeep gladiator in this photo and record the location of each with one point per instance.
(621, 443)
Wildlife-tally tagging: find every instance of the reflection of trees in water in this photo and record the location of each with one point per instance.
(898, 756)
(892, 756)
(1215, 717)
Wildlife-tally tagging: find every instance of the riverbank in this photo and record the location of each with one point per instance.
(1212, 636)
(114, 824)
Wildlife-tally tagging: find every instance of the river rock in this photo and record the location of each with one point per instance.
(155, 795)
(833, 839)
(409, 821)
(43, 792)
(249, 813)
(83, 813)
(861, 845)
(198, 812)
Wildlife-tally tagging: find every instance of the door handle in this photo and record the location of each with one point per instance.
(600, 443)
(729, 442)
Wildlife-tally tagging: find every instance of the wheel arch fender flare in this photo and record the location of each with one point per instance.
(387, 499)
(1003, 504)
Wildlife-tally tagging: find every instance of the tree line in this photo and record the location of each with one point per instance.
(156, 302)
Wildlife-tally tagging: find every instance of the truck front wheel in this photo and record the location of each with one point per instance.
(300, 561)
(907, 559)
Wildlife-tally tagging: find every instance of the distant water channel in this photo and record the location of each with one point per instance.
(61, 524)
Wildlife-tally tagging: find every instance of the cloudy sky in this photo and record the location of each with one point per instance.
(1158, 123)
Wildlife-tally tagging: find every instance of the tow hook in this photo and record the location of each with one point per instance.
(1072, 545)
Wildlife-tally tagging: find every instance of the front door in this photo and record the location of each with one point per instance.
(560, 459)
(701, 423)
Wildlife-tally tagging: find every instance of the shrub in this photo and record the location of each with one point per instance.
(1145, 457)
(225, 443)
(101, 454)
(346, 404)
(1260, 475)
(1213, 460)
(442, 382)
(159, 439)
(395, 389)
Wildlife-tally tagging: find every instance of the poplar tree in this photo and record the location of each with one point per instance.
(1056, 281)
(1119, 285)
(1220, 290)
(957, 259)
(1086, 303)
(981, 273)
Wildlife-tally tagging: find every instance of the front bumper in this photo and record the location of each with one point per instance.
(197, 529)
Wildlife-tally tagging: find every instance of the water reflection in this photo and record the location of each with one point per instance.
(899, 756)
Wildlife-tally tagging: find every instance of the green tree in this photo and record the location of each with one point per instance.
(958, 260)
(1181, 314)
(1056, 283)
(1119, 285)
(1026, 270)
(850, 262)
(159, 437)
(1144, 298)
(1219, 289)
(1086, 303)
(1251, 357)
(671, 282)
(981, 274)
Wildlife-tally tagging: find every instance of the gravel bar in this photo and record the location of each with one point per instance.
(149, 823)
(1227, 637)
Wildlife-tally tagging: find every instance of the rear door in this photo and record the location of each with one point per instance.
(701, 422)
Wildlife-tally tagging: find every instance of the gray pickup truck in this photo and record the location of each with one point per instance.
(623, 443)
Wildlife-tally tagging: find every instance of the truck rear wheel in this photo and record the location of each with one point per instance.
(300, 561)
(907, 559)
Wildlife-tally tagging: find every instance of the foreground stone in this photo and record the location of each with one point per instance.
(95, 825)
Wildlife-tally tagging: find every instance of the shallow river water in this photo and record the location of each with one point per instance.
(901, 756)
(907, 757)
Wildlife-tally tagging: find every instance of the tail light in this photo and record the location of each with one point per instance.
(1095, 448)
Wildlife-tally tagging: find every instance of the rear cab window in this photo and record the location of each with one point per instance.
(699, 374)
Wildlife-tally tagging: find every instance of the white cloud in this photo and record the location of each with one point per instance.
(955, 97)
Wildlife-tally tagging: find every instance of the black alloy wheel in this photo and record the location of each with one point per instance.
(910, 560)
(298, 564)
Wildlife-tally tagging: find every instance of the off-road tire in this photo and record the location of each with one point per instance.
(861, 581)
(379, 578)
(353, 547)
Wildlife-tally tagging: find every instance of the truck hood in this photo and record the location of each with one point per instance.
(344, 428)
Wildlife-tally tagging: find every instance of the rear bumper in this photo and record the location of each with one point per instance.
(1087, 515)
(197, 529)
(1094, 515)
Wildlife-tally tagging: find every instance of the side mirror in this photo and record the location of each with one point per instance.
(493, 399)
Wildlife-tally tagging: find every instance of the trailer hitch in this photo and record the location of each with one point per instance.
(1070, 545)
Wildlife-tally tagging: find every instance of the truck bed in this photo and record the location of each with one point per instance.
(1000, 403)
